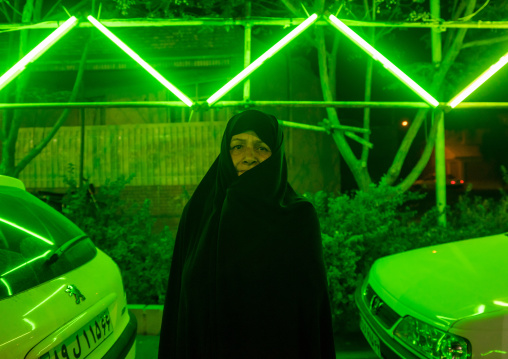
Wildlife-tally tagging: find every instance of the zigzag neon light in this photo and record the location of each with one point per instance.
(254, 65)
(140, 61)
(37, 51)
(479, 81)
(376, 55)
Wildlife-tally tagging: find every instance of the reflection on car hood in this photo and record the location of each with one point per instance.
(447, 282)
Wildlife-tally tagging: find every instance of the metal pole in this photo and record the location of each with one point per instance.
(247, 51)
(82, 149)
(304, 126)
(285, 22)
(219, 105)
(438, 115)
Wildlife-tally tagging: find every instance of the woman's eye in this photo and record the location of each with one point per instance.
(237, 147)
(263, 149)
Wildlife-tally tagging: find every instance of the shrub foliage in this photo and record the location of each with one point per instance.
(124, 232)
(357, 229)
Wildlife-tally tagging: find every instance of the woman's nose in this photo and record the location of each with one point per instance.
(250, 156)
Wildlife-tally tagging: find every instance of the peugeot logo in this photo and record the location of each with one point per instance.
(375, 304)
(73, 290)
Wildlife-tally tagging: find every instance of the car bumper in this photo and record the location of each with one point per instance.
(126, 342)
(388, 347)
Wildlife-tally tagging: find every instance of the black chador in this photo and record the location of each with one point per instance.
(247, 278)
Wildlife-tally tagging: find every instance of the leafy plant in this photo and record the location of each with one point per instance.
(124, 232)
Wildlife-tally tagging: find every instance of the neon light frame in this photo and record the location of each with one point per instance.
(480, 80)
(37, 51)
(260, 60)
(376, 55)
(140, 61)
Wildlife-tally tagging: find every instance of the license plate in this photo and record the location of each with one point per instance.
(371, 337)
(85, 340)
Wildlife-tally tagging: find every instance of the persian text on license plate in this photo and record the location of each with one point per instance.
(85, 340)
(371, 337)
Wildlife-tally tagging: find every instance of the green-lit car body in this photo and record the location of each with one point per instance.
(60, 296)
(445, 301)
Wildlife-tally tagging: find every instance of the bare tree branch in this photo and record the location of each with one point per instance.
(295, 10)
(5, 12)
(358, 169)
(61, 120)
(394, 170)
(485, 42)
(424, 158)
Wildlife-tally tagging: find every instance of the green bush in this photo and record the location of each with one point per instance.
(356, 230)
(124, 232)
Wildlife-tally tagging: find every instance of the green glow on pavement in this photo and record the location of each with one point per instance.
(254, 65)
(376, 55)
(27, 231)
(28, 262)
(478, 82)
(37, 51)
(9, 290)
(140, 61)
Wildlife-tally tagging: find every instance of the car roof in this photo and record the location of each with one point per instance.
(11, 182)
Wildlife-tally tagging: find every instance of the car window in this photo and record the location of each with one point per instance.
(30, 234)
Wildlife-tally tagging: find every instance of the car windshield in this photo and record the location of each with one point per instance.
(30, 232)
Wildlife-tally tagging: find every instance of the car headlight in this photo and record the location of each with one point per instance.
(430, 341)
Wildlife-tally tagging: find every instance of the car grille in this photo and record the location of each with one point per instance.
(386, 315)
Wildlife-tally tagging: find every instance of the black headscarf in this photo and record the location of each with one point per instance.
(247, 278)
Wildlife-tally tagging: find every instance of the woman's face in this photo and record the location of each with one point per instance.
(247, 151)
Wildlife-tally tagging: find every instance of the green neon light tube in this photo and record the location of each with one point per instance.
(9, 290)
(140, 61)
(478, 82)
(28, 262)
(27, 231)
(37, 51)
(376, 55)
(254, 65)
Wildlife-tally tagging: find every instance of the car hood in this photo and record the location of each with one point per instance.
(447, 282)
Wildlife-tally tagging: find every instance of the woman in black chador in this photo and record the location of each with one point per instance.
(247, 278)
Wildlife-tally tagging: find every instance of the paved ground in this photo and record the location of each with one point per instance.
(352, 346)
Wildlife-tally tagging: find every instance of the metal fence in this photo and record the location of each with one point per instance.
(158, 154)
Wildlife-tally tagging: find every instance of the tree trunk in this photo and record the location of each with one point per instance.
(437, 82)
(359, 171)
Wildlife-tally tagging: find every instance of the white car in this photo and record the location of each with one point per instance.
(448, 301)
(60, 296)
